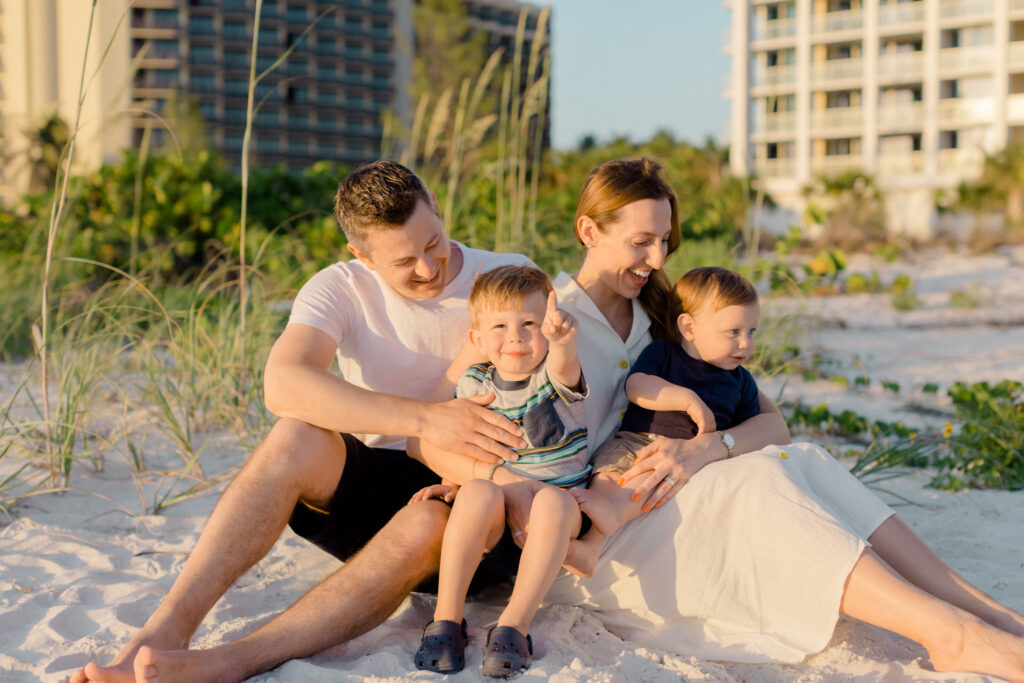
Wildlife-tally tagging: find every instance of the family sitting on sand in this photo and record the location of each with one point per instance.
(695, 527)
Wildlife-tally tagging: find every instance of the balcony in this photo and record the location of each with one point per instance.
(907, 163)
(831, 165)
(961, 162)
(773, 30)
(846, 20)
(1017, 5)
(782, 122)
(1015, 109)
(957, 111)
(784, 74)
(1016, 53)
(836, 117)
(975, 58)
(902, 13)
(958, 9)
(837, 69)
(900, 117)
(775, 168)
(901, 65)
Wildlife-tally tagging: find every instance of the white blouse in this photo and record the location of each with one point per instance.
(604, 357)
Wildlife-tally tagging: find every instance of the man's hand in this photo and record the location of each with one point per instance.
(445, 492)
(559, 327)
(465, 426)
(667, 464)
(518, 500)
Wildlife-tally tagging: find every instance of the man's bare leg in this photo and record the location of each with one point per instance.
(955, 639)
(353, 600)
(295, 460)
(903, 550)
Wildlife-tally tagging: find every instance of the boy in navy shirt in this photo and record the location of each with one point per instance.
(680, 389)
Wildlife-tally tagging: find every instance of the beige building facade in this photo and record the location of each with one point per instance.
(911, 92)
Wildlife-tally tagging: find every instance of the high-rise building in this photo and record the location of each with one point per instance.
(350, 61)
(911, 92)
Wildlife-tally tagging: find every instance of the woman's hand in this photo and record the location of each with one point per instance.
(445, 492)
(667, 464)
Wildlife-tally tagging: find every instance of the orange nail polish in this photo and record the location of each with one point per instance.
(647, 508)
(621, 482)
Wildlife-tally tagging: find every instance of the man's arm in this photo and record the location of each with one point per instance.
(299, 385)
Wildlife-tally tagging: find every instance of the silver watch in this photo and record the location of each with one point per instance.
(729, 443)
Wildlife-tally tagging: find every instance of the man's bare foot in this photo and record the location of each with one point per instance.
(581, 558)
(602, 513)
(186, 666)
(982, 649)
(120, 669)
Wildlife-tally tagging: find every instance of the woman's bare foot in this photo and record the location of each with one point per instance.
(581, 558)
(981, 649)
(604, 516)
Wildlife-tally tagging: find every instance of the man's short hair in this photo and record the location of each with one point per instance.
(499, 288)
(713, 288)
(379, 194)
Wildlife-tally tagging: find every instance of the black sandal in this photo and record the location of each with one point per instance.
(507, 653)
(443, 648)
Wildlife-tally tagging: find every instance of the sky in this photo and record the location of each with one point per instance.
(632, 67)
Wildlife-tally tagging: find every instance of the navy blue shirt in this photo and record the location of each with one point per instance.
(730, 394)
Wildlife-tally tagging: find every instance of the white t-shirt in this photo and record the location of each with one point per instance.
(604, 357)
(387, 342)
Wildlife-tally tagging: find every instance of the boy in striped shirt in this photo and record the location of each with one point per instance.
(533, 370)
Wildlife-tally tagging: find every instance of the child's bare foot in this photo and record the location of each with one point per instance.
(602, 513)
(581, 558)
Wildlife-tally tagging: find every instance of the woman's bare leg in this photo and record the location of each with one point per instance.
(955, 639)
(903, 550)
(476, 523)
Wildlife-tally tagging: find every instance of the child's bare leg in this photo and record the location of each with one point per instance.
(476, 523)
(554, 519)
(581, 558)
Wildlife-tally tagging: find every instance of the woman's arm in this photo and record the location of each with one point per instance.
(678, 459)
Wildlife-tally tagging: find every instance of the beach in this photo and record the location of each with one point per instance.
(82, 570)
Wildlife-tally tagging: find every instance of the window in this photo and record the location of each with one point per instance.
(236, 30)
(838, 147)
(200, 25)
(200, 82)
(201, 54)
(948, 139)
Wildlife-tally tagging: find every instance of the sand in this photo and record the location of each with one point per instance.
(82, 570)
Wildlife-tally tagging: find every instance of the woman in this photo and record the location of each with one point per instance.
(750, 558)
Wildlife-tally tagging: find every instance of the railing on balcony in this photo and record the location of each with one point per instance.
(778, 28)
(1016, 52)
(900, 117)
(830, 165)
(963, 162)
(958, 58)
(1015, 109)
(836, 117)
(775, 168)
(782, 122)
(837, 21)
(901, 13)
(899, 64)
(966, 110)
(784, 74)
(837, 69)
(905, 163)
(965, 8)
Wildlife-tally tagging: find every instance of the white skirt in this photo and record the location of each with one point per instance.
(747, 563)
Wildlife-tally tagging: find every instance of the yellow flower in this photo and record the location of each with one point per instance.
(947, 430)
(913, 435)
(784, 455)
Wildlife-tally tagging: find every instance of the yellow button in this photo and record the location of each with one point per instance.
(622, 414)
(623, 364)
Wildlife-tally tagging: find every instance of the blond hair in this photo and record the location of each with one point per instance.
(498, 289)
(713, 288)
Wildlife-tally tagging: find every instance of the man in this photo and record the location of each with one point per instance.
(395, 317)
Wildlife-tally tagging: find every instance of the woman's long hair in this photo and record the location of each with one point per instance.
(607, 189)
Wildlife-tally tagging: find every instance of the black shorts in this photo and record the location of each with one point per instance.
(503, 559)
(375, 484)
